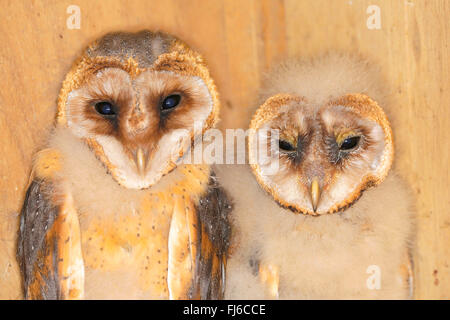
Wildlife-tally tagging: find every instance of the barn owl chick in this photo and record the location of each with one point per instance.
(331, 221)
(112, 211)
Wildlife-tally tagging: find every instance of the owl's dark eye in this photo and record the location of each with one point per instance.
(170, 102)
(286, 146)
(349, 143)
(105, 108)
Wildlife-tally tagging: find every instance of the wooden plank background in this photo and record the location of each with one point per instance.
(241, 39)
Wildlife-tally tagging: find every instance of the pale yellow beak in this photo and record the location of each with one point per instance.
(315, 193)
(140, 161)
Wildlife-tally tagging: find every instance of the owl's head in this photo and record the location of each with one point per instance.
(327, 155)
(140, 101)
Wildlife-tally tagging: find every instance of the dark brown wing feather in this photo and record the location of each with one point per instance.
(213, 209)
(36, 251)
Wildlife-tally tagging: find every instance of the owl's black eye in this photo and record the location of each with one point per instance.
(286, 146)
(170, 102)
(349, 143)
(105, 108)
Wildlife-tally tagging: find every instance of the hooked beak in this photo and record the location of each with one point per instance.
(315, 193)
(140, 161)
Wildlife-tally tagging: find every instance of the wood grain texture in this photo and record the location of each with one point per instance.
(240, 40)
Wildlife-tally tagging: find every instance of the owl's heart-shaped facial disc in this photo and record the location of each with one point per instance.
(326, 155)
(139, 101)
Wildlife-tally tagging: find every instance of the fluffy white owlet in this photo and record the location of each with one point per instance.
(112, 211)
(321, 216)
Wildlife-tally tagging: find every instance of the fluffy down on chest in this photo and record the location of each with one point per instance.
(348, 264)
